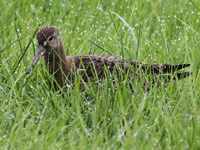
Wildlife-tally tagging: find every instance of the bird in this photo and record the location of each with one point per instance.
(89, 67)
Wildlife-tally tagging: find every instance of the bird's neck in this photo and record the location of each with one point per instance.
(58, 65)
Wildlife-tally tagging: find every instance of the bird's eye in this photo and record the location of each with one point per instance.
(51, 38)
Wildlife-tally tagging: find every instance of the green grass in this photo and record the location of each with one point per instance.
(33, 116)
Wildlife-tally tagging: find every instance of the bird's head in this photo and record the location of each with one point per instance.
(49, 42)
(49, 38)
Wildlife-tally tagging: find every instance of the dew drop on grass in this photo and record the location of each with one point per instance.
(62, 5)
(79, 8)
(36, 139)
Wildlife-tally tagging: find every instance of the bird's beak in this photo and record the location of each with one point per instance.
(41, 51)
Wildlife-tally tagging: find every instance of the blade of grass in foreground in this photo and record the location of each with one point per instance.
(129, 27)
(100, 47)
(20, 45)
(21, 57)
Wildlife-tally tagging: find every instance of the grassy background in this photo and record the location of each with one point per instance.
(33, 116)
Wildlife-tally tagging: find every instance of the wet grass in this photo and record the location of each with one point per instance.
(98, 116)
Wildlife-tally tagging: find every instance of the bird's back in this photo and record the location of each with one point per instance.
(92, 66)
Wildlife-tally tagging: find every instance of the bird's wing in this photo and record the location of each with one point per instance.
(90, 64)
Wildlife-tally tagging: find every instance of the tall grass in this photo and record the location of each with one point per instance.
(100, 116)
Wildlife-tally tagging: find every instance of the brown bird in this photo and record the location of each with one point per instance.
(65, 68)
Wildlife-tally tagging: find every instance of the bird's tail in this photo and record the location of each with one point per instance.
(183, 75)
(167, 68)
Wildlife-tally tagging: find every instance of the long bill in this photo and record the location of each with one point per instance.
(41, 51)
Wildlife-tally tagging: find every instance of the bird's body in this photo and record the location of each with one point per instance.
(64, 67)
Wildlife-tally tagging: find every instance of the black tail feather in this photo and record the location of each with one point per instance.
(179, 67)
(168, 68)
(183, 75)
